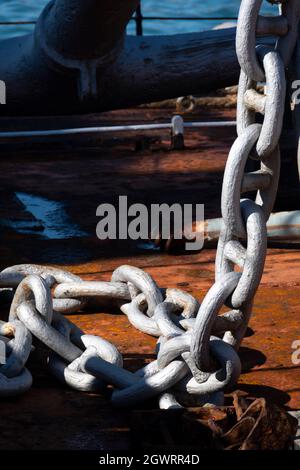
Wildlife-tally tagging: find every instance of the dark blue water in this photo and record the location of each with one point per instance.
(26, 10)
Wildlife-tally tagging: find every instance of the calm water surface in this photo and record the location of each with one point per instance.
(27, 10)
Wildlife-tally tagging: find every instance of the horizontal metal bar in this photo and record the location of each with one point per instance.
(187, 18)
(98, 130)
(16, 23)
(281, 226)
(143, 18)
(191, 125)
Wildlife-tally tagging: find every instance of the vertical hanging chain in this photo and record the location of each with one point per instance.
(244, 220)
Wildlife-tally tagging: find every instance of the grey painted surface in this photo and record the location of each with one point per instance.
(45, 73)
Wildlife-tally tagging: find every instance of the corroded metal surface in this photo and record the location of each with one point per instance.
(89, 420)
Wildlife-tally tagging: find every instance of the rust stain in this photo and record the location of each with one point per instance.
(266, 355)
(84, 178)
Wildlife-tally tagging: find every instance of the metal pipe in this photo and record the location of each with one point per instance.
(96, 130)
(192, 125)
(281, 226)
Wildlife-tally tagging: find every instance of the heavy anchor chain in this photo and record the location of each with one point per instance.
(197, 347)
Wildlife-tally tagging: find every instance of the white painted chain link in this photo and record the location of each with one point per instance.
(197, 358)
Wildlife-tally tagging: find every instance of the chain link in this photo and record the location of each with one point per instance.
(197, 358)
(15, 379)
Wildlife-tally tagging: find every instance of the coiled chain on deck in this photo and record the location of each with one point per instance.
(197, 358)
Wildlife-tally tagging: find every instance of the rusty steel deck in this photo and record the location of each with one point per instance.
(82, 174)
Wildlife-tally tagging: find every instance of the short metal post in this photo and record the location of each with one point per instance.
(2, 92)
(177, 133)
(139, 21)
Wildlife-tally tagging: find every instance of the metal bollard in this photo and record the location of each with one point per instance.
(177, 133)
